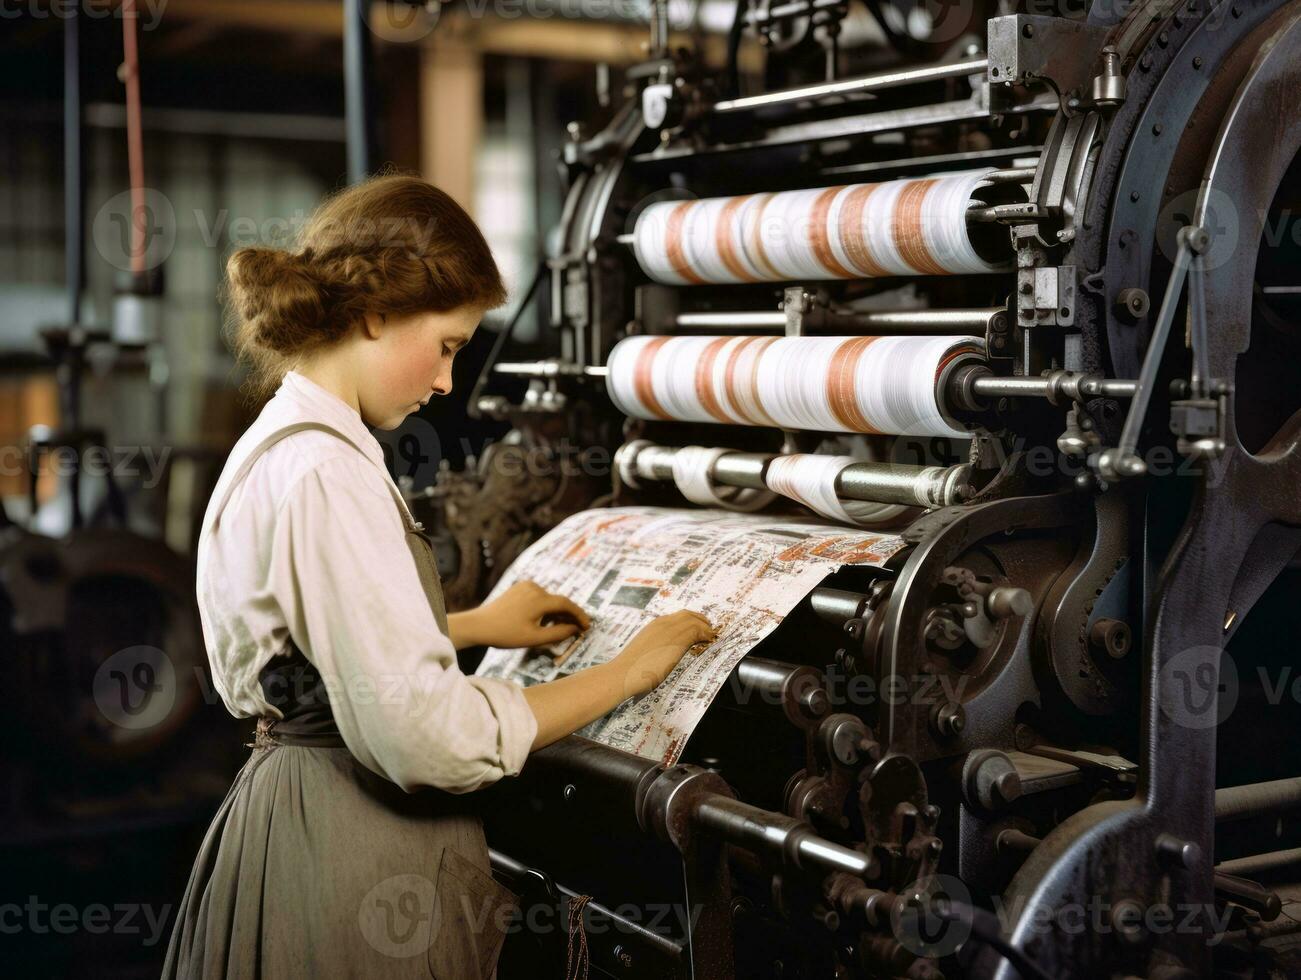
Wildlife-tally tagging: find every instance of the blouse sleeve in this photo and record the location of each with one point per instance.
(344, 577)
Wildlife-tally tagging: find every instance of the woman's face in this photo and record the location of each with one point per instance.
(409, 360)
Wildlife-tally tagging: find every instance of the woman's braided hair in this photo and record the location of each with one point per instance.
(394, 244)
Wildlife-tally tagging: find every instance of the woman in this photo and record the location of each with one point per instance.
(344, 847)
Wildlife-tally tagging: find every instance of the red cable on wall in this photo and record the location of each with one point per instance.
(130, 75)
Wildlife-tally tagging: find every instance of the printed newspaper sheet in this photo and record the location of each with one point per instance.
(627, 565)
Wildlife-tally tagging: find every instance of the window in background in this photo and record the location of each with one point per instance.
(505, 206)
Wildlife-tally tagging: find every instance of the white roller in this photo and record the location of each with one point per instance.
(693, 468)
(826, 384)
(916, 226)
(810, 479)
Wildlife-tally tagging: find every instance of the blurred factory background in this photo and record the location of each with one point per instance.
(243, 127)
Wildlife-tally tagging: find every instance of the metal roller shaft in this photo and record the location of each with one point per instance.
(961, 321)
(887, 483)
(878, 323)
(1257, 799)
(1248, 894)
(778, 835)
(628, 784)
(896, 483)
(854, 86)
(796, 689)
(971, 387)
(1259, 864)
(750, 319)
(1045, 387)
(837, 606)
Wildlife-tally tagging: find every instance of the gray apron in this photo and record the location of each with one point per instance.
(316, 866)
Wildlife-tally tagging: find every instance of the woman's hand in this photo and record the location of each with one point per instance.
(568, 703)
(525, 615)
(655, 650)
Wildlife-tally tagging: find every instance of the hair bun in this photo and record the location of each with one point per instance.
(280, 298)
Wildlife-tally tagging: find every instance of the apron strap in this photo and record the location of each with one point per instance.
(270, 440)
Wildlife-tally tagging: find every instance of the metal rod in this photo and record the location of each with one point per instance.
(499, 343)
(549, 369)
(1110, 388)
(993, 386)
(742, 318)
(837, 606)
(734, 469)
(1249, 895)
(960, 321)
(1124, 459)
(624, 779)
(776, 834)
(872, 322)
(358, 116)
(898, 483)
(1155, 350)
(858, 125)
(886, 483)
(659, 28)
(932, 161)
(522, 874)
(797, 8)
(795, 688)
(744, 470)
(766, 676)
(982, 213)
(1259, 864)
(1055, 386)
(1257, 799)
(1010, 175)
(73, 181)
(1197, 326)
(854, 86)
(1016, 841)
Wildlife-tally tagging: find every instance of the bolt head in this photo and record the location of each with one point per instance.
(1007, 787)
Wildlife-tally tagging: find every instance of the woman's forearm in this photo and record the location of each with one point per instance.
(567, 704)
(463, 629)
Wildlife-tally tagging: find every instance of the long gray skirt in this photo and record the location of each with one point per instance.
(316, 867)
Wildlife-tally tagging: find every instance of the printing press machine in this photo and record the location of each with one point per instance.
(1051, 699)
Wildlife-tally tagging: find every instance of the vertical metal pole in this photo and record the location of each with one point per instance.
(73, 191)
(659, 28)
(68, 372)
(359, 116)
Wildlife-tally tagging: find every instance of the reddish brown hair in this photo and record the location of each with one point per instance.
(394, 244)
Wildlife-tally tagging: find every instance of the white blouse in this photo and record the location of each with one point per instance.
(311, 545)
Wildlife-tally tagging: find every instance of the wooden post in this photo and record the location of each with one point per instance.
(451, 114)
